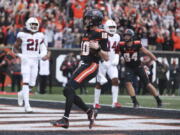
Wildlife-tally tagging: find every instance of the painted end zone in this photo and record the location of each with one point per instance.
(14, 121)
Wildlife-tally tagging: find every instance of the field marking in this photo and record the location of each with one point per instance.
(13, 118)
(54, 101)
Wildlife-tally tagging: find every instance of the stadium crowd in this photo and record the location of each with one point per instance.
(156, 22)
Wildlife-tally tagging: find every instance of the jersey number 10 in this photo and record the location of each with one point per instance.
(85, 48)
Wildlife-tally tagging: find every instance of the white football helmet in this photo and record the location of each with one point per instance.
(32, 24)
(110, 27)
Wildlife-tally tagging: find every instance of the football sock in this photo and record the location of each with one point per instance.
(158, 100)
(97, 93)
(134, 100)
(25, 91)
(115, 92)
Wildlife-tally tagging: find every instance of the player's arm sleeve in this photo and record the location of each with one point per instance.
(43, 48)
(104, 49)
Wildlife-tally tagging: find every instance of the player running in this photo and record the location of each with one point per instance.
(93, 48)
(109, 67)
(30, 47)
(130, 50)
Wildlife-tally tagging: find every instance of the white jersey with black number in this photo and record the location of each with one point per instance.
(32, 44)
(113, 43)
(33, 48)
(110, 67)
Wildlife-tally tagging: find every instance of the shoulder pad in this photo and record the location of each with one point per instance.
(85, 39)
(121, 43)
(99, 30)
(137, 42)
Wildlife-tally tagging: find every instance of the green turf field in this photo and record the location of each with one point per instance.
(171, 102)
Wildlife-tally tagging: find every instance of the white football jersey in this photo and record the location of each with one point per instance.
(32, 44)
(113, 43)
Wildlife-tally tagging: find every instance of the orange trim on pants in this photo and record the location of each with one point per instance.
(86, 72)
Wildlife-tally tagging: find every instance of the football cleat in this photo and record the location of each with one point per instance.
(159, 104)
(64, 122)
(91, 117)
(20, 99)
(97, 106)
(136, 105)
(116, 105)
(28, 109)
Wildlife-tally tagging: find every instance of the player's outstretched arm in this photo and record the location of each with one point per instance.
(147, 52)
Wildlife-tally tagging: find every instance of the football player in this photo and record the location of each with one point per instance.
(109, 67)
(93, 48)
(30, 47)
(130, 50)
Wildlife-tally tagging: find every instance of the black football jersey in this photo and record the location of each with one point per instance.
(131, 53)
(89, 55)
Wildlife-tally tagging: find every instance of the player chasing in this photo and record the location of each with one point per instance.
(109, 67)
(130, 50)
(28, 45)
(93, 49)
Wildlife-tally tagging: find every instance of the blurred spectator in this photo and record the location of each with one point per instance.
(3, 67)
(153, 17)
(44, 72)
(152, 40)
(77, 36)
(69, 65)
(15, 70)
(174, 77)
(176, 39)
(58, 37)
(68, 38)
(49, 33)
(11, 36)
(2, 37)
(162, 69)
(167, 45)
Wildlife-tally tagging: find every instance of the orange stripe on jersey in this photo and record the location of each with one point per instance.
(121, 43)
(137, 42)
(85, 38)
(98, 30)
(86, 72)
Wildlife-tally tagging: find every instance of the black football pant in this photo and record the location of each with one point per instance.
(83, 74)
